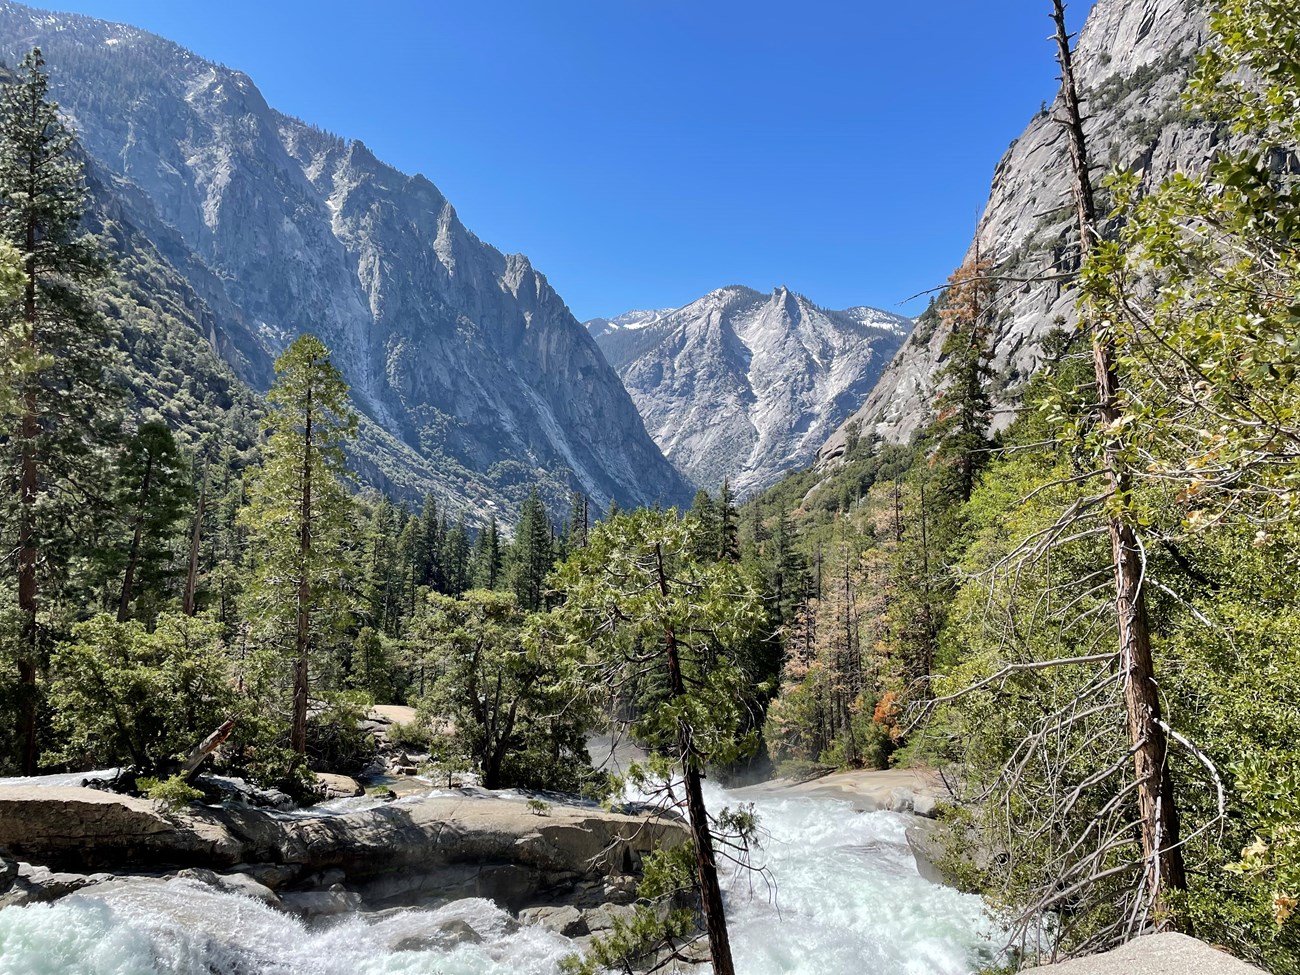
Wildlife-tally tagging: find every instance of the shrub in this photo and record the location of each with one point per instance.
(173, 794)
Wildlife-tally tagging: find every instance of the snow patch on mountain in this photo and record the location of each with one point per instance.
(744, 385)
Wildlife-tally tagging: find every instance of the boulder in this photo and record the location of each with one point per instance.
(567, 921)
(41, 884)
(8, 874)
(233, 883)
(339, 786)
(925, 805)
(321, 903)
(901, 800)
(472, 845)
(1155, 954)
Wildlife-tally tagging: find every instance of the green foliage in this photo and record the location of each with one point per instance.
(61, 410)
(616, 610)
(662, 926)
(517, 719)
(300, 520)
(120, 694)
(336, 742)
(173, 794)
(532, 555)
(414, 736)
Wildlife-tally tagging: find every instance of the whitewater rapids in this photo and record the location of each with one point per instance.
(849, 901)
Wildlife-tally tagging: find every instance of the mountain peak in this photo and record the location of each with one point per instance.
(463, 362)
(746, 385)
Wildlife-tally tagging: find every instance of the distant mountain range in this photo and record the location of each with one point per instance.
(746, 386)
(239, 228)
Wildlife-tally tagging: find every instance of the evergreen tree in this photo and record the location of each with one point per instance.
(155, 490)
(728, 524)
(300, 515)
(707, 540)
(532, 555)
(486, 559)
(54, 352)
(455, 559)
(962, 407)
(638, 602)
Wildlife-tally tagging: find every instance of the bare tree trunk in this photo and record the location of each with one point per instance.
(706, 867)
(196, 538)
(200, 752)
(298, 735)
(1161, 852)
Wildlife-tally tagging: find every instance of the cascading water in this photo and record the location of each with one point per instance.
(849, 901)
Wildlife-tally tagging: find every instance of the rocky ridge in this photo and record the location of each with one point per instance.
(1133, 60)
(463, 360)
(746, 386)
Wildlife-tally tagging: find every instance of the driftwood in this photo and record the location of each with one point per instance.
(199, 754)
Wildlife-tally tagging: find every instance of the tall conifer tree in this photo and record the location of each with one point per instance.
(300, 514)
(53, 354)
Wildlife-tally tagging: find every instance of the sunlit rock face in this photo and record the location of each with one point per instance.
(474, 378)
(746, 386)
(1132, 63)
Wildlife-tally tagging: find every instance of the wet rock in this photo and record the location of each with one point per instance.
(567, 921)
(42, 884)
(449, 934)
(902, 800)
(321, 903)
(475, 844)
(8, 874)
(272, 875)
(924, 805)
(339, 786)
(233, 883)
(926, 851)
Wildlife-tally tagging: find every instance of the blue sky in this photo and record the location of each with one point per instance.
(644, 152)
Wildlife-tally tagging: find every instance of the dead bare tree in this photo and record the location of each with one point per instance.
(1157, 810)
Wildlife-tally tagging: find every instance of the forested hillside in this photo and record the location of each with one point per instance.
(463, 362)
(1089, 617)
(1087, 620)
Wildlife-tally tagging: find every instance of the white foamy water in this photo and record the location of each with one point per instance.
(850, 901)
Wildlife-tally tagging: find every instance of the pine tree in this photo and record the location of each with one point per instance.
(54, 344)
(533, 554)
(963, 409)
(486, 558)
(706, 542)
(300, 514)
(154, 487)
(728, 524)
(455, 558)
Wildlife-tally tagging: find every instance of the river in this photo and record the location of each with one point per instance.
(849, 901)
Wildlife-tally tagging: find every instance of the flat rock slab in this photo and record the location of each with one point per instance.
(399, 846)
(870, 790)
(395, 713)
(1156, 954)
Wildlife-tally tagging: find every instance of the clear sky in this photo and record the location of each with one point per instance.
(644, 152)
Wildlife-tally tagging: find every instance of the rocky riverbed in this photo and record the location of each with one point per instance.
(348, 855)
(447, 881)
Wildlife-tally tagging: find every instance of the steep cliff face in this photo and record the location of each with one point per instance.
(746, 386)
(474, 378)
(1133, 61)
